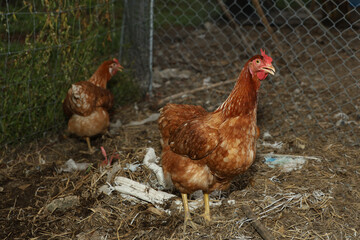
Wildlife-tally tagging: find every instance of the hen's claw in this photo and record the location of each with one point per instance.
(189, 222)
(91, 149)
(88, 152)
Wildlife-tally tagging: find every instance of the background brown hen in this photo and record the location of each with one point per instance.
(87, 103)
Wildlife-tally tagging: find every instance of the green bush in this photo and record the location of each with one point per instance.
(47, 45)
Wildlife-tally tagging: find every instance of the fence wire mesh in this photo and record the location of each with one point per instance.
(315, 46)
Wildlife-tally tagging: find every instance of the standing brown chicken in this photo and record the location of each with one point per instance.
(205, 150)
(87, 103)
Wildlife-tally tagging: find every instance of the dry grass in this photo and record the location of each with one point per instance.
(319, 201)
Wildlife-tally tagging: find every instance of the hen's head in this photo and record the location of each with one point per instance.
(261, 65)
(114, 66)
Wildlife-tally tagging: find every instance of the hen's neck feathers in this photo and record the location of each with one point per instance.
(243, 98)
(101, 76)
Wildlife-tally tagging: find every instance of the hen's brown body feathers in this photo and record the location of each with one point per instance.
(87, 106)
(205, 150)
(83, 97)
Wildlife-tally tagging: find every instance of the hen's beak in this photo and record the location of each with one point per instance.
(119, 67)
(269, 69)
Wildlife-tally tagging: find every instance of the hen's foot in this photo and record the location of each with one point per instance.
(89, 152)
(91, 149)
(65, 134)
(207, 219)
(190, 223)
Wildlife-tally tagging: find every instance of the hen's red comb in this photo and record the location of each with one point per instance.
(266, 57)
(115, 60)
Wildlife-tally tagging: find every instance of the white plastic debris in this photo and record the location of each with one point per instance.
(72, 166)
(276, 145)
(267, 135)
(343, 119)
(287, 163)
(41, 160)
(318, 195)
(209, 26)
(156, 85)
(206, 81)
(150, 161)
(106, 189)
(136, 108)
(151, 118)
(341, 115)
(115, 126)
(132, 167)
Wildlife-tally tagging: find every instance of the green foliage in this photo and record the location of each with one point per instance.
(45, 46)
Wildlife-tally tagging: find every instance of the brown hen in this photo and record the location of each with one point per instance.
(87, 103)
(205, 150)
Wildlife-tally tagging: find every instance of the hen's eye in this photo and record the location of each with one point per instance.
(257, 61)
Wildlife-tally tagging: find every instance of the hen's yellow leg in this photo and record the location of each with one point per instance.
(187, 213)
(91, 150)
(87, 139)
(207, 208)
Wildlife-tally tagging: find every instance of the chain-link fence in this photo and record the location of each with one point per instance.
(315, 46)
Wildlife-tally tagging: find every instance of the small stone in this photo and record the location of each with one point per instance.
(63, 204)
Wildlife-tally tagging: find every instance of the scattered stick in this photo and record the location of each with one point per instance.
(141, 191)
(261, 229)
(145, 193)
(172, 97)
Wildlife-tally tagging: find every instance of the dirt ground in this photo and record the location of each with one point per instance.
(320, 200)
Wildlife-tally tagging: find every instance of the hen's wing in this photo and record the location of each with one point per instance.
(173, 115)
(83, 97)
(187, 133)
